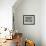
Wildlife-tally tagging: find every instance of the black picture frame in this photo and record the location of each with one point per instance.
(29, 19)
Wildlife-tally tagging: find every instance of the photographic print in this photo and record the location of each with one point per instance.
(29, 19)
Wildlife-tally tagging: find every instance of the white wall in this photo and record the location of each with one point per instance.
(6, 13)
(36, 32)
(28, 7)
(43, 22)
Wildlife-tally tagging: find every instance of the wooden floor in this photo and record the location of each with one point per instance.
(9, 43)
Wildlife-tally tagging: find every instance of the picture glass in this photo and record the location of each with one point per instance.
(29, 19)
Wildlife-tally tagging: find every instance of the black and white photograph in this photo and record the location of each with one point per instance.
(22, 22)
(29, 19)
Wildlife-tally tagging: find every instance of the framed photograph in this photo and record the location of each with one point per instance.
(29, 19)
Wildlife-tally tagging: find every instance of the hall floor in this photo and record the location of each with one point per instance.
(9, 43)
